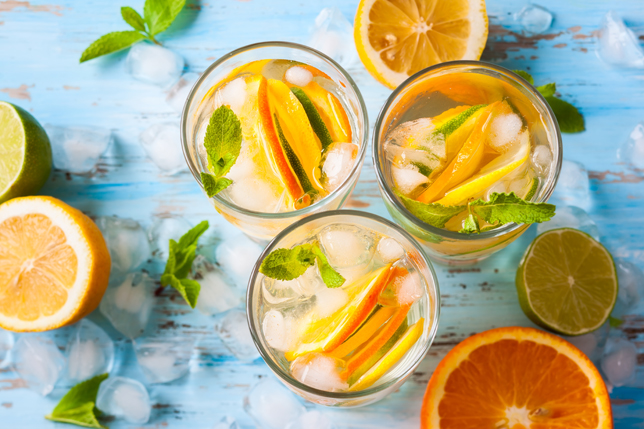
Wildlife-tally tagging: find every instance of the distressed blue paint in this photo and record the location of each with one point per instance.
(41, 49)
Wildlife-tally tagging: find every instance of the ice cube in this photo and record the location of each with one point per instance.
(124, 398)
(154, 64)
(128, 302)
(328, 301)
(6, 344)
(591, 344)
(407, 179)
(619, 361)
(271, 405)
(162, 143)
(337, 162)
(127, 242)
(298, 76)
(347, 246)
(541, 159)
(319, 371)
(570, 217)
(286, 292)
(178, 94)
(164, 358)
(504, 130)
(278, 330)
(408, 289)
(631, 287)
(38, 362)
(217, 294)
(534, 19)
(162, 230)
(617, 45)
(77, 149)
(227, 423)
(255, 193)
(573, 186)
(235, 334)
(632, 151)
(390, 250)
(313, 419)
(233, 94)
(90, 352)
(332, 34)
(237, 257)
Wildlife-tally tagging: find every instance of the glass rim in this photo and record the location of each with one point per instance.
(275, 44)
(387, 190)
(285, 376)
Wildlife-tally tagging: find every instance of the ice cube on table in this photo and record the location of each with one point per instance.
(6, 344)
(154, 64)
(312, 419)
(237, 256)
(235, 334)
(162, 230)
(332, 34)
(347, 246)
(573, 185)
(285, 292)
(227, 422)
(632, 151)
(407, 179)
(319, 371)
(390, 250)
(591, 344)
(77, 149)
(337, 162)
(217, 293)
(38, 361)
(617, 45)
(534, 19)
(179, 92)
(541, 159)
(298, 76)
(127, 242)
(570, 217)
(631, 288)
(164, 358)
(278, 330)
(90, 352)
(162, 143)
(124, 398)
(272, 405)
(329, 300)
(128, 302)
(619, 361)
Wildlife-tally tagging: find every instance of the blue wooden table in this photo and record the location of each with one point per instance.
(40, 43)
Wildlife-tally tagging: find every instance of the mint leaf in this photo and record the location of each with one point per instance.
(288, 264)
(547, 90)
(330, 277)
(470, 225)
(506, 208)
(78, 405)
(213, 184)
(524, 74)
(433, 214)
(191, 238)
(189, 289)
(614, 322)
(569, 118)
(159, 14)
(109, 43)
(133, 18)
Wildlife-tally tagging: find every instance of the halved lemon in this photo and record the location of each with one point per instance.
(54, 264)
(397, 38)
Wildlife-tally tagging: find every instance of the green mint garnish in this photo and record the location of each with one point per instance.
(471, 223)
(78, 406)
(507, 208)
(180, 257)
(157, 17)
(422, 168)
(289, 264)
(434, 214)
(223, 144)
(568, 116)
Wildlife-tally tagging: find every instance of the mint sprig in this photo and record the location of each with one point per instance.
(289, 264)
(181, 255)
(157, 17)
(78, 406)
(223, 144)
(568, 116)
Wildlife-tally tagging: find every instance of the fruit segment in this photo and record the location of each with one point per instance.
(331, 112)
(365, 332)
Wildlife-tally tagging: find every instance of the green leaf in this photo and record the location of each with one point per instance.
(133, 18)
(433, 214)
(191, 238)
(547, 90)
(422, 168)
(213, 184)
(223, 140)
(470, 225)
(78, 405)
(288, 264)
(506, 208)
(524, 74)
(189, 289)
(330, 277)
(159, 14)
(109, 43)
(569, 118)
(614, 322)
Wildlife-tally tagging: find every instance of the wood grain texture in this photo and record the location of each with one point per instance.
(40, 43)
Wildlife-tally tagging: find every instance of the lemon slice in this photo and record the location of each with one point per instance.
(396, 39)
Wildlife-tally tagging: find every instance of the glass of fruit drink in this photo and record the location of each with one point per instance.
(273, 132)
(466, 154)
(343, 306)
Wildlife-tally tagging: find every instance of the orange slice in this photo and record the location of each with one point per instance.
(516, 378)
(396, 39)
(54, 264)
(365, 332)
(331, 112)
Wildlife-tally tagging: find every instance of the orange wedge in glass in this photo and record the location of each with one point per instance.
(331, 112)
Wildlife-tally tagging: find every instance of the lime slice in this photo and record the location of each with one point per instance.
(567, 282)
(312, 113)
(25, 153)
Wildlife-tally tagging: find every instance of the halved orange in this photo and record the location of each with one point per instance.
(397, 38)
(54, 264)
(516, 378)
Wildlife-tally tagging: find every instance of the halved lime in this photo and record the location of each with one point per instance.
(25, 153)
(567, 282)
